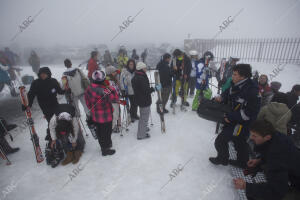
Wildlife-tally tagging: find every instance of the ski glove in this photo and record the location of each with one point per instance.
(158, 87)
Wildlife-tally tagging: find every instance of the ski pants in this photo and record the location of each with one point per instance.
(116, 114)
(240, 144)
(76, 100)
(103, 131)
(133, 106)
(197, 99)
(178, 87)
(192, 85)
(143, 122)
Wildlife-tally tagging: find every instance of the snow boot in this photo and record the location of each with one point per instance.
(69, 158)
(77, 155)
(165, 111)
(186, 104)
(147, 136)
(116, 129)
(218, 161)
(108, 152)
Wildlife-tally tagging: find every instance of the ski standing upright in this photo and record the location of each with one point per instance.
(160, 105)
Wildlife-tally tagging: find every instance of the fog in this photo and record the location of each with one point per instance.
(84, 22)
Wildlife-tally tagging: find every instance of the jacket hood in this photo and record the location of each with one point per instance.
(45, 70)
(277, 108)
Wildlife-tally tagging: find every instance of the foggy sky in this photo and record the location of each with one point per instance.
(82, 22)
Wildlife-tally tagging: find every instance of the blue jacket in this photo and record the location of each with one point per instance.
(202, 75)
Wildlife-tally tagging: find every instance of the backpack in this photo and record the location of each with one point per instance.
(212, 110)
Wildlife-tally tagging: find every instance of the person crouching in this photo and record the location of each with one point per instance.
(99, 97)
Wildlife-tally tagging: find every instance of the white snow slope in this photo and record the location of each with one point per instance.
(139, 169)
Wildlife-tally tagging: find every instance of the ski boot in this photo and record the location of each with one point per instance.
(116, 129)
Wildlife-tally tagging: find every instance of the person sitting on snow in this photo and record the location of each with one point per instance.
(65, 129)
(279, 159)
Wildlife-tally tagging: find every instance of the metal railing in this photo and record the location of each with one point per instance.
(271, 50)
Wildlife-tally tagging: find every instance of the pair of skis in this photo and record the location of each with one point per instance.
(34, 137)
(160, 105)
(222, 70)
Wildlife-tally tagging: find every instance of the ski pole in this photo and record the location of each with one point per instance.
(6, 131)
(151, 96)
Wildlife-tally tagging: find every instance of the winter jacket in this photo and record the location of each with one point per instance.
(53, 122)
(125, 81)
(281, 160)
(11, 56)
(165, 74)
(92, 66)
(99, 99)
(77, 81)
(184, 67)
(141, 88)
(107, 59)
(266, 94)
(34, 61)
(45, 91)
(292, 100)
(194, 67)
(276, 113)
(244, 100)
(122, 62)
(202, 76)
(227, 74)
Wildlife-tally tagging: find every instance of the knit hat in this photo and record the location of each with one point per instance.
(275, 86)
(140, 66)
(98, 76)
(110, 69)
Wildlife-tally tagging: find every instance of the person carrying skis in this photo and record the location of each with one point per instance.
(203, 75)
(142, 92)
(34, 61)
(4, 129)
(77, 82)
(99, 97)
(264, 89)
(45, 88)
(227, 74)
(126, 87)
(181, 69)
(92, 64)
(65, 130)
(244, 100)
(193, 79)
(165, 75)
(111, 76)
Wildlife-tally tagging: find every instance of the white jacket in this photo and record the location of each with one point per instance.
(74, 76)
(125, 80)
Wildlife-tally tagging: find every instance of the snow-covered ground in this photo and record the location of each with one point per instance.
(167, 166)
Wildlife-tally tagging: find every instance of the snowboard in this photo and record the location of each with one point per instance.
(222, 70)
(159, 102)
(34, 137)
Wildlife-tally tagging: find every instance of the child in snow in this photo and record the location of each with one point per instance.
(78, 83)
(111, 76)
(64, 127)
(99, 97)
(142, 92)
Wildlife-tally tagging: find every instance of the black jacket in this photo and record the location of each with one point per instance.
(281, 160)
(187, 67)
(244, 101)
(165, 74)
(45, 91)
(141, 88)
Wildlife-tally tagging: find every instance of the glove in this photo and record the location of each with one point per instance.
(158, 87)
(24, 107)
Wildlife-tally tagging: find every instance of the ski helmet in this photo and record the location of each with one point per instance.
(209, 55)
(193, 53)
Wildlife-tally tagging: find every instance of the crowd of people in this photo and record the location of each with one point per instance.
(260, 123)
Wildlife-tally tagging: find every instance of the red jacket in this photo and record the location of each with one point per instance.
(98, 99)
(264, 89)
(92, 66)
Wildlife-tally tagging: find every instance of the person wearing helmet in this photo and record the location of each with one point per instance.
(224, 80)
(192, 80)
(181, 69)
(202, 79)
(99, 97)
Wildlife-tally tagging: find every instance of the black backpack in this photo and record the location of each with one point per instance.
(212, 110)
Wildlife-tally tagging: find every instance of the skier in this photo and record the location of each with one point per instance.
(4, 129)
(193, 79)
(126, 87)
(122, 59)
(34, 61)
(45, 88)
(264, 89)
(77, 82)
(107, 58)
(203, 75)
(111, 76)
(134, 56)
(92, 64)
(142, 92)
(64, 129)
(243, 97)
(144, 56)
(99, 97)
(279, 159)
(181, 69)
(227, 74)
(165, 75)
